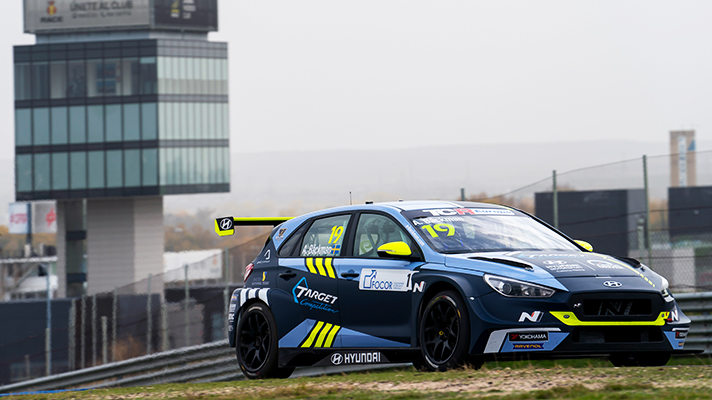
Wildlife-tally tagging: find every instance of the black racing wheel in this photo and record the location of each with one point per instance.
(444, 333)
(257, 349)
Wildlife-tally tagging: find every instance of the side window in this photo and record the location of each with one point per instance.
(325, 237)
(374, 230)
(287, 249)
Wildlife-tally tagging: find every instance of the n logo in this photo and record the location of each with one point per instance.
(418, 287)
(534, 317)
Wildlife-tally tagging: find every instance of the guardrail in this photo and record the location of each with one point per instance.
(212, 362)
(215, 361)
(698, 307)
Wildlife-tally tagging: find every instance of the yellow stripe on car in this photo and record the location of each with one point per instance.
(332, 335)
(322, 335)
(329, 268)
(312, 335)
(310, 265)
(570, 319)
(321, 266)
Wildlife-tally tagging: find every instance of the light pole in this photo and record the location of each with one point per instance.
(43, 270)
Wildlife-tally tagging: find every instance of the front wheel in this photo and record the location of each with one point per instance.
(257, 349)
(444, 333)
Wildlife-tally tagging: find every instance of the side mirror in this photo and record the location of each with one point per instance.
(585, 245)
(394, 249)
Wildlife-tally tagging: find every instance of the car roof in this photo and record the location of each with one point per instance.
(401, 205)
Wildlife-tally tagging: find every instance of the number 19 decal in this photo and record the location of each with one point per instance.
(450, 229)
(336, 233)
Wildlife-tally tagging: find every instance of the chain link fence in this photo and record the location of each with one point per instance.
(184, 306)
(606, 206)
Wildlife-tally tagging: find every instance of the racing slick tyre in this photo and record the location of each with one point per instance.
(639, 359)
(444, 333)
(257, 350)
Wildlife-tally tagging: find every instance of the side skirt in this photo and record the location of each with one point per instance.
(297, 357)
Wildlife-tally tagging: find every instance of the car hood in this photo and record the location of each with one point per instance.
(543, 267)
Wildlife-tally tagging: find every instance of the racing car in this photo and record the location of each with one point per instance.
(441, 284)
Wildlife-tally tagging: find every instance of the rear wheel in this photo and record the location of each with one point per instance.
(257, 351)
(639, 359)
(444, 333)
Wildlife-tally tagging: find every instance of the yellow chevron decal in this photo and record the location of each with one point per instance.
(332, 336)
(321, 266)
(310, 265)
(321, 335)
(570, 319)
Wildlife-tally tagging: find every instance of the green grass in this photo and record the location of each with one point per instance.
(688, 378)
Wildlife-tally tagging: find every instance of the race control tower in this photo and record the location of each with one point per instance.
(116, 105)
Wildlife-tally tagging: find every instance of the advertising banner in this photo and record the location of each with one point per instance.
(68, 15)
(18, 218)
(44, 217)
(57, 16)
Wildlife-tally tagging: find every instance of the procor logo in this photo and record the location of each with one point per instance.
(372, 283)
(612, 284)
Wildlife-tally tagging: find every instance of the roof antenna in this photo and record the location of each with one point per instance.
(350, 199)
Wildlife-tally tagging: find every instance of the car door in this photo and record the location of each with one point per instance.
(308, 274)
(376, 293)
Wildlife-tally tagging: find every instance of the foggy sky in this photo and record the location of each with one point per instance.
(314, 75)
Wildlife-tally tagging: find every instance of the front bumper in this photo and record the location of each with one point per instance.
(555, 327)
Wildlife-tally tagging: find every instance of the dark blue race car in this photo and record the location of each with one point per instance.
(441, 284)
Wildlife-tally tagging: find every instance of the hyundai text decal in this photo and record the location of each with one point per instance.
(390, 280)
(313, 299)
(469, 211)
(356, 358)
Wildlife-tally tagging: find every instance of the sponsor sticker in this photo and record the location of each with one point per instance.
(535, 316)
(529, 346)
(529, 337)
(388, 280)
(312, 298)
(604, 264)
(469, 211)
(367, 357)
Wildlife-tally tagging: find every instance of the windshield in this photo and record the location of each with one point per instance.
(468, 230)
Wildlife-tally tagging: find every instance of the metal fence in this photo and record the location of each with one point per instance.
(183, 307)
(629, 209)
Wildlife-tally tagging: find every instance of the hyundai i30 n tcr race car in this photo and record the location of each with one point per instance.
(441, 284)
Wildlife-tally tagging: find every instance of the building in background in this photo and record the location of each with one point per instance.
(118, 104)
(608, 219)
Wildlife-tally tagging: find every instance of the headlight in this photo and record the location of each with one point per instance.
(514, 288)
(664, 289)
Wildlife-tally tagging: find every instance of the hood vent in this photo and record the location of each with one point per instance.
(505, 261)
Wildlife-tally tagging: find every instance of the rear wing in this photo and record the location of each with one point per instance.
(225, 226)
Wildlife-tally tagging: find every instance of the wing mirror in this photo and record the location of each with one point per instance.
(585, 245)
(394, 249)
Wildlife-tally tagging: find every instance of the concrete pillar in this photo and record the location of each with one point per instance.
(124, 242)
(71, 235)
